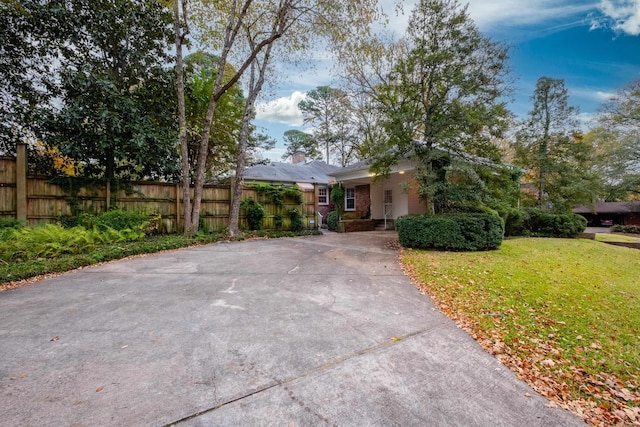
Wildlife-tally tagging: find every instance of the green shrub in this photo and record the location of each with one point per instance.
(333, 221)
(540, 223)
(122, 220)
(455, 232)
(10, 223)
(513, 222)
(296, 218)
(255, 213)
(629, 229)
(69, 221)
(52, 241)
(337, 197)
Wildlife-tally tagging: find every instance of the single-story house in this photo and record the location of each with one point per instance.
(307, 175)
(606, 214)
(379, 199)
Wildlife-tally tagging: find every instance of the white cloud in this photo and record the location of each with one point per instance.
(625, 15)
(592, 94)
(282, 110)
(605, 96)
(489, 14)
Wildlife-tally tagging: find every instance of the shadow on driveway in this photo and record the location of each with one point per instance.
(320, 330)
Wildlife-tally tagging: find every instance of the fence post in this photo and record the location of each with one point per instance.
(21, 182)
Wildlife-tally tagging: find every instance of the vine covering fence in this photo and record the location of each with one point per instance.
(38, 200)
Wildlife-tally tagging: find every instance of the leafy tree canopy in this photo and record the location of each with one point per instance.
(618, 142)
(553, 150)
(32, 35)
(117, 98)
(299, 141)
(330, 112)
(441, 90)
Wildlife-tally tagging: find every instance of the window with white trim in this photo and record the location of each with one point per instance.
(350, 199)
(323, 196)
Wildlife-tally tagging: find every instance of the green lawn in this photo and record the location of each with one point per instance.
(562, 313)
(607, 237)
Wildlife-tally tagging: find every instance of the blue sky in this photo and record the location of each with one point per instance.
(593, 45)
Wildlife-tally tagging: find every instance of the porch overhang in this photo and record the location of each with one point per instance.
(361, 174)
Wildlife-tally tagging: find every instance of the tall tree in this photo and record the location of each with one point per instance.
(32, 37)
(330, 113)
(550, 146)
(299, 141)
(225, 19)
(257, 75)
(116, 99)
(222, 24)
(293, 18)
(181, 31)
(618, 140)
(441, 87)
(200, 74)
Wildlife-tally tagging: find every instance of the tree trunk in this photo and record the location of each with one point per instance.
(201, 164)
(219, 88)
(184, 150)
(255, 87)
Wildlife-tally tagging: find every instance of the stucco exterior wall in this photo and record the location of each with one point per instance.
(416, 205)
(404, 194)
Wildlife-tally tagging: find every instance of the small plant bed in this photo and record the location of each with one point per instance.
(564, 314)
(17, 273)
(13, 272)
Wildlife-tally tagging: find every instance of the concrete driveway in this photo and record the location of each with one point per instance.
(322, 330)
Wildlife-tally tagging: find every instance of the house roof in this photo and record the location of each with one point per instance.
(314, 172)
(361, 169)
(610, 208)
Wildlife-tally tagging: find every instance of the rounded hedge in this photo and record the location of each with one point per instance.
(453, 232)
(545, 224)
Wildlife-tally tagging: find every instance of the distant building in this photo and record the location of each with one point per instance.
(607, 214)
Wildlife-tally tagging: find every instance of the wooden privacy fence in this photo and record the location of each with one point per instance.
(36, 200)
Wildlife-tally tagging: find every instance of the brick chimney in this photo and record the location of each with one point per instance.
(298, 157)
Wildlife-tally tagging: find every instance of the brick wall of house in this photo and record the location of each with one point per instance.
(363, 200)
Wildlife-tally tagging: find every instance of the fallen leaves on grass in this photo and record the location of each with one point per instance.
(541, 364)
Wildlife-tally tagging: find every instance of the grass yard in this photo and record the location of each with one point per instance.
(607, 237)
(564, 314)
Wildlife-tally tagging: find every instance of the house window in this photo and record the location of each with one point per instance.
(350, 199)
(323, 196)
